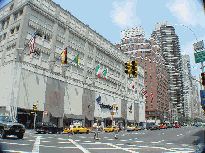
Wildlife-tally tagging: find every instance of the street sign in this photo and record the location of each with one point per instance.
(199, 56)
(202, 94)
(45, 112)
(112, 113)
(198, 46)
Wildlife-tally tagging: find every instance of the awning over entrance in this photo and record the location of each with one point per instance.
(89, 118)
(80, 117)
(99, 118)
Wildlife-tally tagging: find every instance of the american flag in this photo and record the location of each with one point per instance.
(144, 92)
(31, 43)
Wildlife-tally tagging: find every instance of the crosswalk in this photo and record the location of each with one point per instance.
(88, 144)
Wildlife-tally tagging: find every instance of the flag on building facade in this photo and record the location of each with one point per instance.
(31, 44)
(151, 95)
(105, 72)
(97, 69)
(144, 92)
(130, 107)
(76, 60)
(64, 56)
(98, 99)
(133, 86)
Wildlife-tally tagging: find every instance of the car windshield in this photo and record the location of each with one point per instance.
(109, 126)
(5, 118)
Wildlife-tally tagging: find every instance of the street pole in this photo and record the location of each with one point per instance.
(34, 121)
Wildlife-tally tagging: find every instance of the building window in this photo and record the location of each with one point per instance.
(146, 107)
(15, 16)
(17, 28)
(12, 31)
(46, 37)
(21, 12)
(151, 106)
(11, 7)
(4, 35)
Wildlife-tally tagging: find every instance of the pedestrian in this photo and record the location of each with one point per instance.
(96, 128)
(116, 131)
(71, 130)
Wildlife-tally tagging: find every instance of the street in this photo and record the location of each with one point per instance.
(164, 140)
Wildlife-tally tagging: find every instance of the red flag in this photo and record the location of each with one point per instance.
(151, 95)
(31, 43)
(99, 75)
(133, 86)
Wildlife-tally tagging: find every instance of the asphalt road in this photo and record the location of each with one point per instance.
(185, 139)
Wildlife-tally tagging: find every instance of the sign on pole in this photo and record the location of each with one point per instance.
(112, 113)
(45, 112)
(202, 94)
(199, 56)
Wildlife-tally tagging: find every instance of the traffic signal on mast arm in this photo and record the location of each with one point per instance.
(134, 68)
(128, 68)
(203, 78)
(34, 107)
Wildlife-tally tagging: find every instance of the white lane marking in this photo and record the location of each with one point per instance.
(143, 146)
(132, 145)
(14, 151)
(23, 144)
(87, 141)
(105, 137)
(49, 147)
(31, 140)
(63, 142)
(169, 143)
(110, 144)
(77, 140)
(36, 145)
(45, 141)
(162, 140)
(139, 141)
(68, 147)
(110, 139)
(79, 146)
(120, 144)
(154, 142)
(123, 140)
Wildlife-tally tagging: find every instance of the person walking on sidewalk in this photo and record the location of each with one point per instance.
(116, 131)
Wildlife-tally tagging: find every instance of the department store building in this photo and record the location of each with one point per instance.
(63, 93)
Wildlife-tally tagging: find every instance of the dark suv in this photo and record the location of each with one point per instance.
(47, 127)
(7, 127)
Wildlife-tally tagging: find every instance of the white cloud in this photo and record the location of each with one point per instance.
(124, 14)
(186, 12)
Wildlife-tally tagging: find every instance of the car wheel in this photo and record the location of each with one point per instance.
(46, 132)
(87, 132)
(20, 135)
(77, 132)
(3, 134)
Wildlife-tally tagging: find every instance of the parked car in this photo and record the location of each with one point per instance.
(130, 128)
(163, 127)
(169, 126)
(47, 127)
(79, 129)
(154, 127)
(109, 129)
(177, 126)
(148, 125)
(140, 127)
(7, 127)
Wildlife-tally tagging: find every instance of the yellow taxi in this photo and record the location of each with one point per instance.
(67, 129)
(110, 129)
(136, 128)
(79, 129)
(130, 128)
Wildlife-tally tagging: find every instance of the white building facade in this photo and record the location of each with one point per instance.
(63, 94)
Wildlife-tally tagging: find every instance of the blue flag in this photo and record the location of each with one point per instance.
(131, 107)
(98, 99)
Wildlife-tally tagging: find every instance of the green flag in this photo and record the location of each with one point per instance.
(76, 60)
(105, 72)
(97, 68)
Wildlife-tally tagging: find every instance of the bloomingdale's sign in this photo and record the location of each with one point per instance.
(107, 106)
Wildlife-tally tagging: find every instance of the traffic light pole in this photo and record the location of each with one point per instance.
(34, 125)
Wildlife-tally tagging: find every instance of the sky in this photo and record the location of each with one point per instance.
(109, 18)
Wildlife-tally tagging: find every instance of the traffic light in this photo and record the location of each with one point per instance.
(34, 107)
(134, 68)
(128, 68)
(203, 78)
